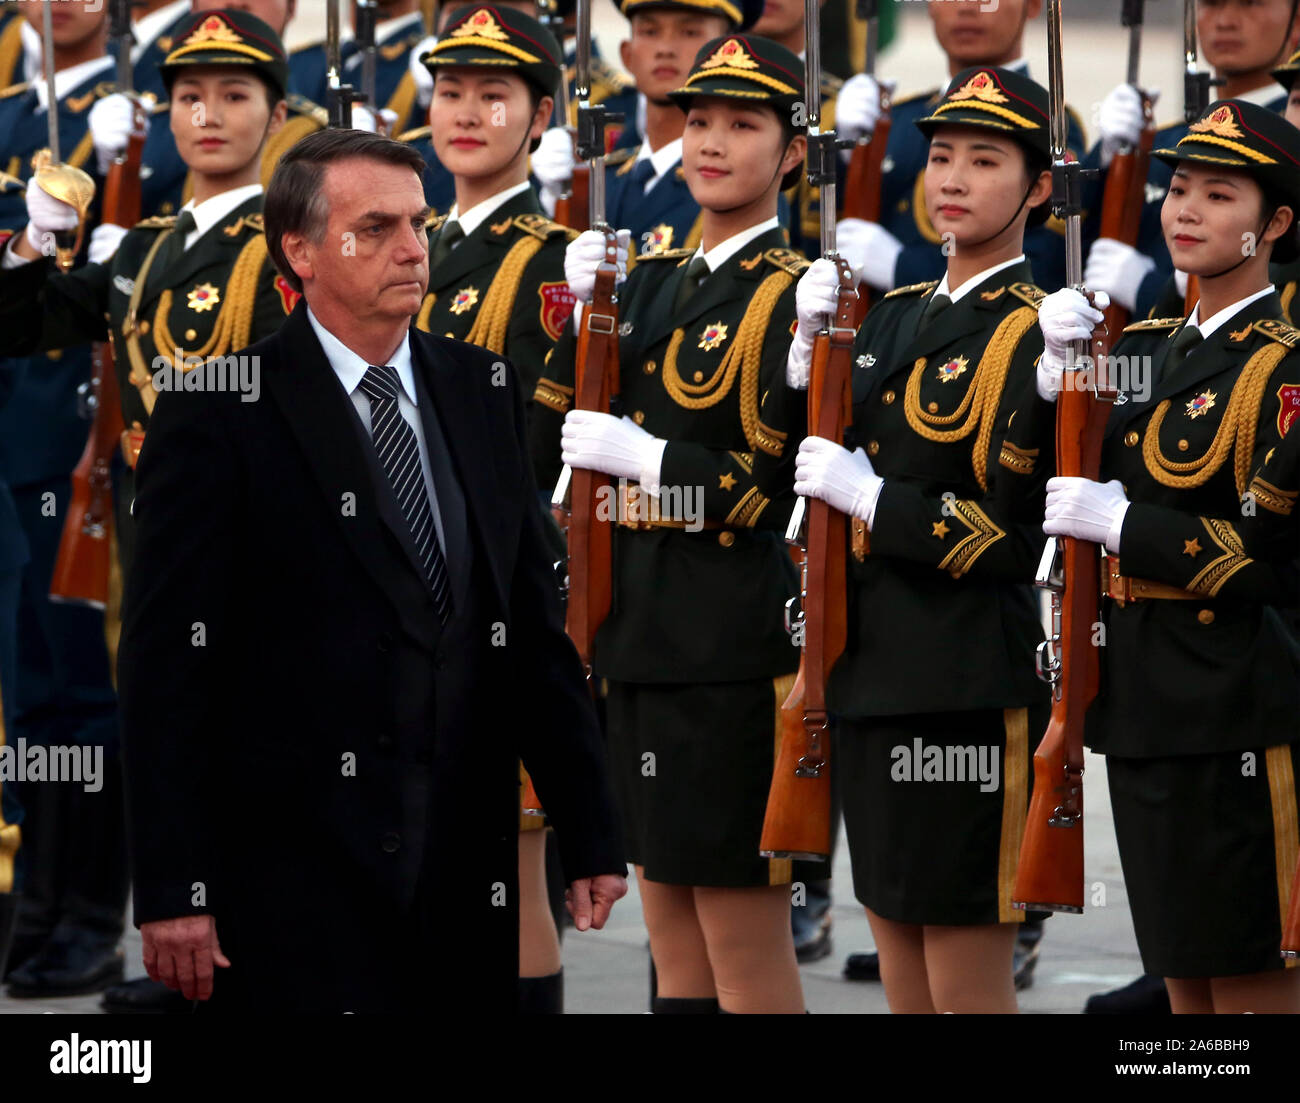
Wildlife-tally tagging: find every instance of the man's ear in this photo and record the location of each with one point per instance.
(297, 252)
(625, 53)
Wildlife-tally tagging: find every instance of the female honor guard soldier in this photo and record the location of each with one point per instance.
(496, 279)
(1196, 711)
(1286, 276)
(496, 269)
(935, 695)
(180, 289)
(694, 651)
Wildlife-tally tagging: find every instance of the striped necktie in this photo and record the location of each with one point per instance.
(399, 453)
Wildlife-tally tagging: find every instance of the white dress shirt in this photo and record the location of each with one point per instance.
(975, 280)
(716, 257)
(473, 218)
(211, 211)
(148, 27)
(349, 367)
(1214, 321)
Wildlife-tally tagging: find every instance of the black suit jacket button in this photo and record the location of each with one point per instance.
(385, 642)
(391, 842)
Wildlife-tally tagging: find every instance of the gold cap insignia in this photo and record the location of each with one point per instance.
(1218, 122)
(203, 298)
(981, 87)
(731, 53)
(213, 29)
(482, 25)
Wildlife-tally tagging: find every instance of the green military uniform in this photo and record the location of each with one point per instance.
(939, 589)
(694, 651)
(503, 286)
(1197, 705)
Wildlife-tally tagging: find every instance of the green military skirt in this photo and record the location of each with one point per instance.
(934, 811)
(1208, 845)
(692, 766)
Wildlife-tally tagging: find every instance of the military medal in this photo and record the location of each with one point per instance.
(953, 368)
(659, 238)
(712, 336)
(1200, 404)
(464, 300)
(203, 298)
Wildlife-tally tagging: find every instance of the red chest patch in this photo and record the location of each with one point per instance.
(1288, 397)
(557, 307)
(288, 296)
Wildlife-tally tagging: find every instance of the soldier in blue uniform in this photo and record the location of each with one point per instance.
(17, 47)
(1241, 40)
(1196, 706)
(74, 859)
(904, 247)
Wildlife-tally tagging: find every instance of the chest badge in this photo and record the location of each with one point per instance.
(953, 368)
(712, 336)
(203, 298)
(465, 300)
(1201, 404)
(659, 239)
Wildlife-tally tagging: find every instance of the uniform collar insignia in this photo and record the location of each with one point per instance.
(501, 227)
(752, 263)
(1239, 334)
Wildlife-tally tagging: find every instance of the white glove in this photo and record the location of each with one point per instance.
(1086, 510)
(553, 161)
(1063, 316)
(616, 446)
(109, 122)
(815, 295)
(584, 254)
(857, 107)
(46, 216)
(422, 77)
(1117, 269)
(363, 118)
(871, 250)
(1121, 119)
(842, 479)
(1180, 283)
(104, 240)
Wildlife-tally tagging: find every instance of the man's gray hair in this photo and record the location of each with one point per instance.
(295, 199)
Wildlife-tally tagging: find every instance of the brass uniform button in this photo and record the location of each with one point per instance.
(450, 334)
(873, 448)
(143, 327)
(888, 398)
(639, 416)
(54, 354)
(648, 367)
(1206, 616)
(1131, 437)
(191, 334)
(699, 377)
(726, 539)
(1182, 446)
(933, 407)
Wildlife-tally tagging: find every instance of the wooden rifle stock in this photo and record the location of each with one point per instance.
(1291, 928)
(863, 183)
(798, 819)
(1050, 874)
(82, 568)
(572, 210)
(1123, 200)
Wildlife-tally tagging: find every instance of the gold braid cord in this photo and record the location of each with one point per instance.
(1240, 421)
(493, 318)
(983, 394)
(232, 330)
(982, 533)
(745, 356)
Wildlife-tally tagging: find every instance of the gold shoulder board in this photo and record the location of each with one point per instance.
(787, 260)
(1279, 331)
(911, 289)
(157, 222)
(13, 90)
(435, 221)
(667, 254)
(1028, 293)
(538, 225)
(1153, 323)
(618, 156)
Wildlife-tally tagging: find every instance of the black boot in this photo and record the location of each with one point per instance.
(143, 996)
(41, 867)
(667, 1005)
(542, 995)
(1145, 996)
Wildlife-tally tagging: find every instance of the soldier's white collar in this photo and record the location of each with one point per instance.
(1214, 321)
(31, 40)
(661, 160)
(974, 281)
(65, 80)
(1262, 97)
(148, 27)
(473, 218)
(211, 211)
(716, 257)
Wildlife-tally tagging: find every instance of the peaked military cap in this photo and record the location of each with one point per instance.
(222, 37)
(741, 14)
(995, 99)
(744, 67)
(499, 38)
(1247, 138)
(1286, 74)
